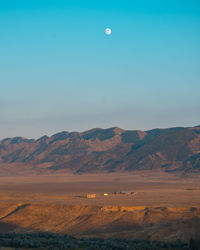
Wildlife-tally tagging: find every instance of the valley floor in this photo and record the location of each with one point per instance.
(150, 189)
(161, 207)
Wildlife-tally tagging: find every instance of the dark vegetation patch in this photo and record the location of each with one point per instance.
(46, 240)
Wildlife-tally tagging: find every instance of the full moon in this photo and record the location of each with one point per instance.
(108, 31)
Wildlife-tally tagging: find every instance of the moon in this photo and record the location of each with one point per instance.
(108, 31)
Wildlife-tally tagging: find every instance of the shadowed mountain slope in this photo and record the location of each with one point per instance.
(104, 150)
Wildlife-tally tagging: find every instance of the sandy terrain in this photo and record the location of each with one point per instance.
(150, 190)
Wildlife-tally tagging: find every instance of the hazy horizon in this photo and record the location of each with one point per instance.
(59, 71)
(85, 130)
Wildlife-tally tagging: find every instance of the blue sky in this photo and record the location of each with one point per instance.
(60, 71)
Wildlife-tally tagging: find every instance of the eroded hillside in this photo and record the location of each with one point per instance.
(156, 223)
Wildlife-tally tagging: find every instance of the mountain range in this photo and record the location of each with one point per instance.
(175, 150)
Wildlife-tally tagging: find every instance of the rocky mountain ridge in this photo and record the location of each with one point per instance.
(104, 150)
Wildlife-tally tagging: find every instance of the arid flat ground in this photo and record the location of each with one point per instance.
(150, 189)
(163, 207)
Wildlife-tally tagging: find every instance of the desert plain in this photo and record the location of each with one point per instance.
(162, 207)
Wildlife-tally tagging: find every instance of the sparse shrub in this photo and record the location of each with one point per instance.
(45, 240)
(194, 244)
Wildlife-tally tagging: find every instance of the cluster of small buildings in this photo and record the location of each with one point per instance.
(91, 196)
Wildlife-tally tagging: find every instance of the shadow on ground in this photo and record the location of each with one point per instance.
(47, 240)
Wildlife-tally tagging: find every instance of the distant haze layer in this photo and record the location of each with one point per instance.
(60, 71)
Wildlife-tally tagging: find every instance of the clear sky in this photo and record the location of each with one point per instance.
(60, 71)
